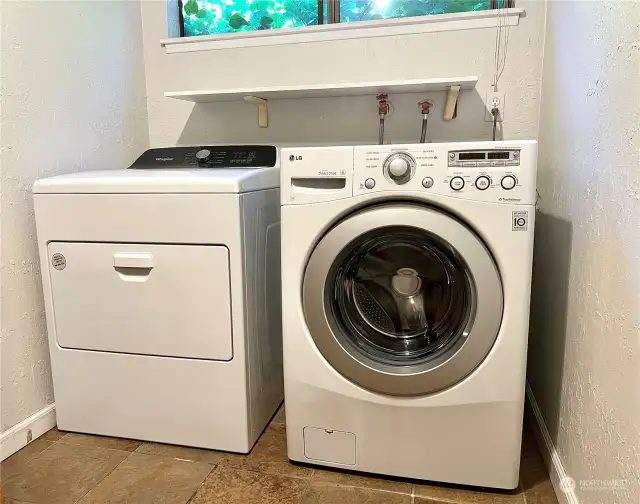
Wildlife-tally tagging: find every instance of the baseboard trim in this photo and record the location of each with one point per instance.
(17, 437)
(563, 485)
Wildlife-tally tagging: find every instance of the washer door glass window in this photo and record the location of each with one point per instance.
(402, 309)
(401, 296)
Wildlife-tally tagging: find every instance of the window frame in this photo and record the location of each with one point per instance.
(333, 31)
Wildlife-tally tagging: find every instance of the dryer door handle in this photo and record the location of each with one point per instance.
(138, 260)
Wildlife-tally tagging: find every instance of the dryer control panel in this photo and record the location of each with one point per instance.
(497, 172)
(207, 156)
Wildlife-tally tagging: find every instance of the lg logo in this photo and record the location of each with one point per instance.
(295, 158)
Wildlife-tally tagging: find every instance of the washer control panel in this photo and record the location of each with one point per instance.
(487, 171)
(484, 158)
(318, 174)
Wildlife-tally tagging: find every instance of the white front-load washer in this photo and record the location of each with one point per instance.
(406, 283)
(161, 286)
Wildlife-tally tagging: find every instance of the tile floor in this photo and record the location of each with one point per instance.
(68, 468)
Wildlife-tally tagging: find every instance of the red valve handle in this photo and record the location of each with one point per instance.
(383, 104)
(425, 106)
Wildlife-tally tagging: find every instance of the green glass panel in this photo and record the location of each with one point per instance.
(211, 17)
(367, 10)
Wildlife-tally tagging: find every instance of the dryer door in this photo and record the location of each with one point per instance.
(148, 299)
(402, 299)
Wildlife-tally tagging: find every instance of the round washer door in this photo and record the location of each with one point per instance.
(402, 299)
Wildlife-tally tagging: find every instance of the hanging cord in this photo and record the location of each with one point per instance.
(495, 112)
(425, 110)
(502, 42)
(383, 111)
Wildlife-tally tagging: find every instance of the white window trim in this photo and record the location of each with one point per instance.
(343, 31)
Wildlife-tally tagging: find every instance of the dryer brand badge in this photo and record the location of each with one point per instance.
(295, 158)
(59, 261)
(519, 220)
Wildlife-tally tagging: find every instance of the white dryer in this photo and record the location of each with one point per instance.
(159, 285)
(406, 283)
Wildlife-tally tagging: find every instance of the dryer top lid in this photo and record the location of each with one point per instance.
(168, 181)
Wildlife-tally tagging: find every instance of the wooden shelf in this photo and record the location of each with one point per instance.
(325, 90)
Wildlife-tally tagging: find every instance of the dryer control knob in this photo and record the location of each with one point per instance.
(399, 167)
(203, 155)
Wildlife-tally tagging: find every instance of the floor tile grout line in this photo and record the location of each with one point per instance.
(304, 493)
(103, 478)
(60, 441)
(213, 469)
(35, 456)
(40, 453)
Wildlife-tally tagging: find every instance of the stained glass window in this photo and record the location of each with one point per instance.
(367, 10)
(213, 17)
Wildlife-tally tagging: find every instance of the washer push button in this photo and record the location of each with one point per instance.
(508, 182)
(482, 182)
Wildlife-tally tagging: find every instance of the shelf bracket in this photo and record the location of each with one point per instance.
(263, 111)
(451, 104)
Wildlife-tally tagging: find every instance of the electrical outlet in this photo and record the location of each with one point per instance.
(494, 100)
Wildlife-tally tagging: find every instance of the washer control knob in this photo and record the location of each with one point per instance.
(483, 182)
(399, 167)
(369, 183)
(508, 182)
(456, 183)
(427, 182)
(203, 155)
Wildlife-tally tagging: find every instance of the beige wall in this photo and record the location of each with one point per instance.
(584, 358)
(73, 98)
(348, 119)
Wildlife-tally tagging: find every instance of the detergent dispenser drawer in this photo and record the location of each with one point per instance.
(165, 300)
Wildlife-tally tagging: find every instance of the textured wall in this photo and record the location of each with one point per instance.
(349, 119)
(584, 359)
(73, 98)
